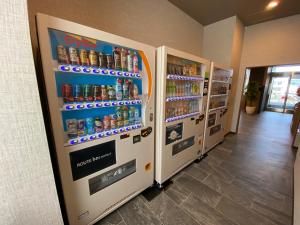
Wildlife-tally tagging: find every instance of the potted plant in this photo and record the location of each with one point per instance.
(251, 97)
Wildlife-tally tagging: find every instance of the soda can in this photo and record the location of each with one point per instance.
(78, 96)
(96, 93)
(87, 92)
(62, 55)
(98, 124)
(67, 93)
(84, 57)
(106, 123)
(81, 128)
(102, 60)
(109, 61)
(73, 56)
(71, 128)
(89, 123)
(93, 58)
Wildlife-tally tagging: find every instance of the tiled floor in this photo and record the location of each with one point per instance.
(247, 180)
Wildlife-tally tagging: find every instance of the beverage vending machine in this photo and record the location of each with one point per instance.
(100, 91)
(218, 94)
(179, 114)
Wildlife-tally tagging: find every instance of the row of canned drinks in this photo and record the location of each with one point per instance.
(123, 90)
(121, 59)
(124, 116)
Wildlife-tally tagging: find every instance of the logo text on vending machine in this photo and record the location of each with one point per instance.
(79, 41)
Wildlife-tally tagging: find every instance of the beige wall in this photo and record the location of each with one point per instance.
(218, 40)
(271, 43)
(222, 43)
(155, 22)
(27, 189)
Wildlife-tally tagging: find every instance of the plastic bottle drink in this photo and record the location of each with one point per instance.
(131, 115)
(129, 61)
(98, 124)
(119, 90)
(123, 59)
(135, 63)
(117, 58)
(125, 116)
(89, 125)
(126, 89)
(136, 116)
(135, 92)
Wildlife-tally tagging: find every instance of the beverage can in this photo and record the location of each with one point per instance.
(71, 128)
(125, 89)
(67, 93)
(111, 93)
(102, 60)
(109, 61)
(81, 128)
(84, 57)
(104, 94)
(123, 59)
(106, 123)
(73, 56)
(119, 90)
(96, 93)
(62, 55)
(117, 58)
(87, 92)
(78, 94)
(93, 58)
(98, 124)
(129, 61)
(89, 125)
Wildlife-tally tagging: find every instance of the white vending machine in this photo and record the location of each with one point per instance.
(179, 115)
(216, 110)
(100, 91)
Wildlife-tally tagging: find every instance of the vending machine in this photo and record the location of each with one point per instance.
(179, 114)
(100, 91)
(216, 111)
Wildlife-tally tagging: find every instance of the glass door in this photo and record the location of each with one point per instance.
(292, 97)
(283, 92)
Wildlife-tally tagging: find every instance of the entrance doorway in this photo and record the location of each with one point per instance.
(282, 92)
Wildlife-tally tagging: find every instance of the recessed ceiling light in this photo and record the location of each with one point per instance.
(272, 4)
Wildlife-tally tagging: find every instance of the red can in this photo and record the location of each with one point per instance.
(67, 93)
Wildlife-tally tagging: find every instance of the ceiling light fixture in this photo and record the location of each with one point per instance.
(272, 4)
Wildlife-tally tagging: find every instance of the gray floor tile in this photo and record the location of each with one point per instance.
(177, 193)
(203, 213)
(196, 172)
(241, 215)
(202, 191)
(215, 183)
(137, 212)
(168, 211)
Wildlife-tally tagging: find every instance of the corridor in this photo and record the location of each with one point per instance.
(247, 180)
